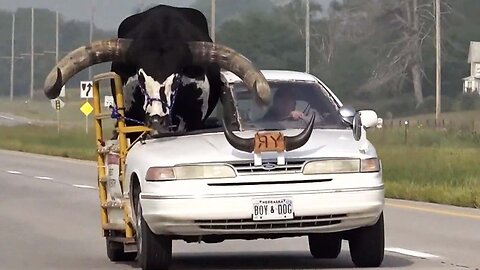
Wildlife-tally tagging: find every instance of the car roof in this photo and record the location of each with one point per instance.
(274, 75)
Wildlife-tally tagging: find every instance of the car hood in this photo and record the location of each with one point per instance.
(213, 147)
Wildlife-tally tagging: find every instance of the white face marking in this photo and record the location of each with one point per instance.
(203, 85)
(153, 88)
(168, 89)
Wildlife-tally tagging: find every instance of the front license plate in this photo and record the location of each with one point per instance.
(272, 209)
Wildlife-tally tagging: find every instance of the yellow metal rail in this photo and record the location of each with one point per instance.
(123, 148)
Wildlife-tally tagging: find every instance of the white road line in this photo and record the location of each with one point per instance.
(43, 178)
(46, 158)
(14, 172)
(412, 253)
(84, 186)
(6, 117)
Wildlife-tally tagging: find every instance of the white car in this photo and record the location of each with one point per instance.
(198, 187)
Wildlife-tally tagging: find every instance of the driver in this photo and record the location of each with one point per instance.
(283, 106)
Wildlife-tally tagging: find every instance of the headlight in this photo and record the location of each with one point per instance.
(186, 172)
(370, 165)
(332, 166)
(342, 166)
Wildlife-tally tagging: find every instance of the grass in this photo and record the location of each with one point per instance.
(42, 110)
(72, 143)
(433, 166)
(461, 120)
(460, 116)
(439, 175)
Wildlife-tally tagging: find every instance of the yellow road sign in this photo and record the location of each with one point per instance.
(86, 108)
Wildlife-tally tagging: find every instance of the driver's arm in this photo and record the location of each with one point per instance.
(296, 115)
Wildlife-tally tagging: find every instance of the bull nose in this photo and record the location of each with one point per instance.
(159, 124)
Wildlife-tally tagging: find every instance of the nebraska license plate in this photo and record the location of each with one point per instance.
(272, 209)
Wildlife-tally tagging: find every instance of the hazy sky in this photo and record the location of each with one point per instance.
(108, 15)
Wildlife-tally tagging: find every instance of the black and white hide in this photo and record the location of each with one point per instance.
(180, 103)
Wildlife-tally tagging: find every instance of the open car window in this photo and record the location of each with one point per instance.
(305, 98)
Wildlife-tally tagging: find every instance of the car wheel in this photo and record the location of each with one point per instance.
(154, 251)
(367, 245)
(324, 246)
(115, 252)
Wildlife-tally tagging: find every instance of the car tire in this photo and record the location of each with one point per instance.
(367, 245)
(154, 251)
(115, 252)
(324, 246)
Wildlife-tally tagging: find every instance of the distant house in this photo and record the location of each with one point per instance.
(471, 84)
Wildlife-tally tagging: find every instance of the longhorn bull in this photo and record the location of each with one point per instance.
(171, 70)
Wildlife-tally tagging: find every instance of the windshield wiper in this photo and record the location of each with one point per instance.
(307, 110)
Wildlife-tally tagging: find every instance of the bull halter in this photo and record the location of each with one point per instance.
(175, 86)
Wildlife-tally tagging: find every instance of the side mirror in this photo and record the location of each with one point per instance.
(347, 113)
(357, 127)
(362, 120)
(369, 118)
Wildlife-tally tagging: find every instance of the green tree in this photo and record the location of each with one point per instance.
(265, 39)
(231, 9)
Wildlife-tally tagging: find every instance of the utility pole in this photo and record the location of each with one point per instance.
(57, 30)
(438, 107)
(92, 17)
(307, 37)
(32, 55)
(12, 64)
(213, 17)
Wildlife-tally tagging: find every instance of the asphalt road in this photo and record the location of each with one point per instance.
(49, 219)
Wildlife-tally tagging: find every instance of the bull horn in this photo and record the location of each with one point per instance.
(292, 143)
(248, 145)
(245, 145)
(229, 59)
(81, 58)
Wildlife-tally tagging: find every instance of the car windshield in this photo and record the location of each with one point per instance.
(293, 104)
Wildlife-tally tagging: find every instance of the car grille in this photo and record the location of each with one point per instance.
(249, 224)
(248, 168)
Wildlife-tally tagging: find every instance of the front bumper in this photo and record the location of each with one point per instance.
(316, 211)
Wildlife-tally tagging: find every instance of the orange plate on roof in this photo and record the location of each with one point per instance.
(269, 142)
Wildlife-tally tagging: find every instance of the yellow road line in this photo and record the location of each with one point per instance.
(436, 211)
